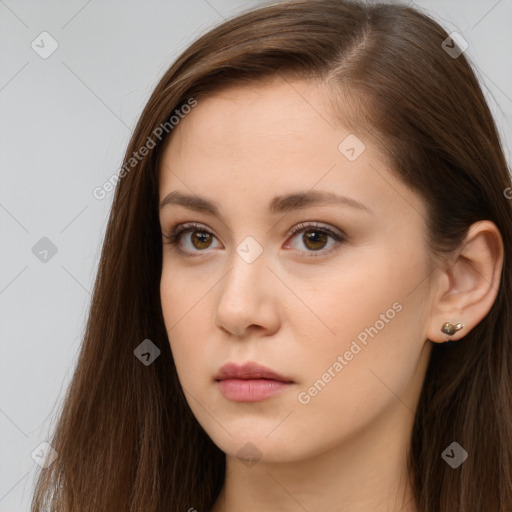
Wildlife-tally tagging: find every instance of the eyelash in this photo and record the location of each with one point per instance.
(172, 237)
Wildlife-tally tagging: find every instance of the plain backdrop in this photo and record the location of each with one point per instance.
(65, 121)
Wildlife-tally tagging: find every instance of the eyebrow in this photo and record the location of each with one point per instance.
(278, 205)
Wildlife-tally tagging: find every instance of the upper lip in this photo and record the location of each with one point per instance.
(249, 370)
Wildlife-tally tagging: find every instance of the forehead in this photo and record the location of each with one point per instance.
(249, 114)
(265, 139)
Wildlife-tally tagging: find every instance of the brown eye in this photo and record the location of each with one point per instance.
(314, 239)
(201, 239)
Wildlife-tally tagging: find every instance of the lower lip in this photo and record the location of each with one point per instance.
(251, 390)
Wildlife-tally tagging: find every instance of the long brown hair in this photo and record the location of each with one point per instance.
(126, 438)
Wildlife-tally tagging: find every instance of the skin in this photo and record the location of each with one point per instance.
(346, 448)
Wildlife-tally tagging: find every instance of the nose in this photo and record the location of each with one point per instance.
(248, 298)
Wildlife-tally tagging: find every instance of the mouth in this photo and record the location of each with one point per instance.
(250, 382)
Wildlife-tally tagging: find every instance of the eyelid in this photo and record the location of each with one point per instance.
(314, 224)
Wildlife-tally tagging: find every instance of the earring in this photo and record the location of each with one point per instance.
(449, 328)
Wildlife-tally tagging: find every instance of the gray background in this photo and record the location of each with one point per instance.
(65, 122)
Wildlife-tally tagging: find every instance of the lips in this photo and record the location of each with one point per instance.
(250, 382)
(249, 370)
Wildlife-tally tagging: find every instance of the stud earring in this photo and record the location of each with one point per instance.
(449, 328)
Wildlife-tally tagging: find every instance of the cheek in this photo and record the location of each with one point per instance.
(343, 303)
(371, 289)
(370, 319)
(178, 299)
(182, 294)
(185, 302)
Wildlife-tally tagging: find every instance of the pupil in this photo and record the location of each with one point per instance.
(201, 237)
(314, 237)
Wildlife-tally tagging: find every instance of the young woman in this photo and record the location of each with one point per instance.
(304, 295)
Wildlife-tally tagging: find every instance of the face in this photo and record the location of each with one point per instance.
(332, 294)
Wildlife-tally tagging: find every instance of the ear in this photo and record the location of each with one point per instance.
(467, 288)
